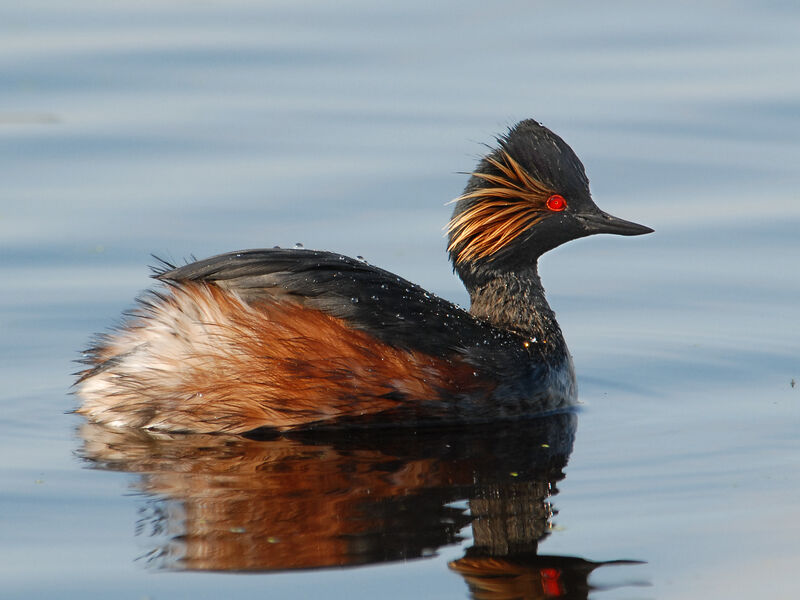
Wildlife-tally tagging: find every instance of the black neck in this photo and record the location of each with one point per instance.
(515, 301)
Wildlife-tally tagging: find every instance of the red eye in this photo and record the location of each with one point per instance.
(556, 203)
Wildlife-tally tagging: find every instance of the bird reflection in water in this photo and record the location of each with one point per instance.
(325, 499)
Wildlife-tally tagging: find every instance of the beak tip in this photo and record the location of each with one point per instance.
(642, 230)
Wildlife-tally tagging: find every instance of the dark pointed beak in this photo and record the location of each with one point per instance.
(602, 222)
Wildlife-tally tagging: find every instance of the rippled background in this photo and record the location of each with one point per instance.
(195, 127)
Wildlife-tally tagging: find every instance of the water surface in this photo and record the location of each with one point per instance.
(193, 128)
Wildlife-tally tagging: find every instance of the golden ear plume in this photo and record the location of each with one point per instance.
(512, 202)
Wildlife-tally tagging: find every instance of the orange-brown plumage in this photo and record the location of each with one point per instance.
(232, 366)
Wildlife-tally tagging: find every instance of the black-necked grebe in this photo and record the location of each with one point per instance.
(297, 338)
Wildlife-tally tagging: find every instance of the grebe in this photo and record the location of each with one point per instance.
(292, 338)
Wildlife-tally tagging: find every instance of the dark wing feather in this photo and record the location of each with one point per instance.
(387, 306)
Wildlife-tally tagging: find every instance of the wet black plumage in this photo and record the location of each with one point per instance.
(371, 299)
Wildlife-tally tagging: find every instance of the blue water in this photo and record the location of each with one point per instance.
(192, 128)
